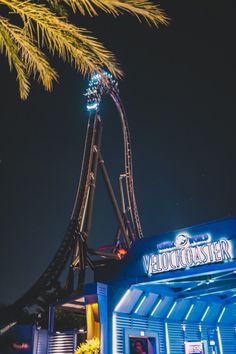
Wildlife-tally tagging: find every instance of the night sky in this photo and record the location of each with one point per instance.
(179, 93)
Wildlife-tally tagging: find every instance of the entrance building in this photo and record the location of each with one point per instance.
(171, 294)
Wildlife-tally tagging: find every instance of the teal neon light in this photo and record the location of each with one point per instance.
(140, 304)
(205, 313)
(221, 315)
(171, 310)
(189, 311)
(156, 307)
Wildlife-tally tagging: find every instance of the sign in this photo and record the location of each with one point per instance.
(138, 345)
(194, 348)
(186, 252)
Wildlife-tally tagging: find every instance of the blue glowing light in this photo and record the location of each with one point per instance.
(189, 311)
(92, 106)
(140, 304)
(205, 313)
(221, 315)
(167, 338)
(219, 339)
(156, 307)
(171, 310)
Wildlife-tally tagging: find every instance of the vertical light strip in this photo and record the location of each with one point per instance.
(171, 310)
(156, 307)
(219, 339)
(114, 335)
(167, 339)
(205, 313)
(140, 304)
(221, 315)
(189, 311)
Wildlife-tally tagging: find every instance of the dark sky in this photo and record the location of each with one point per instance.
(179, 94)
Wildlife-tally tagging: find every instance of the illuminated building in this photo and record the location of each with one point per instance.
(175, 292)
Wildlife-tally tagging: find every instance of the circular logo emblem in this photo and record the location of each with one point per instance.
(182, 240)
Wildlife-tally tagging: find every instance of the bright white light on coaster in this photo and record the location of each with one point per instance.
(92, 107)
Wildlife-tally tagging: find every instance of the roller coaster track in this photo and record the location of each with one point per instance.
(132, 206)
(74, 244)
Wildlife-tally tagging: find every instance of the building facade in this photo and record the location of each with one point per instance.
(172, 294)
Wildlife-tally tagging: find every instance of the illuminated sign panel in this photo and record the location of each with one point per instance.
(194, 348)
(187, 252)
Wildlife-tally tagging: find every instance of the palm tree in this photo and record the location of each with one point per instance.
(44, 26)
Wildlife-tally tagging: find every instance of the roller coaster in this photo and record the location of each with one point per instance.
(74, 255)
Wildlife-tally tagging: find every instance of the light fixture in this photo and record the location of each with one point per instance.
(156, 307)
(123, 299)
(189, 311)
(205, 313)
(167, 339)
(171, 310)
(219, 340)
(140, 304)
(221, 314)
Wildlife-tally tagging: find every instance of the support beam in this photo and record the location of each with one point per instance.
(113, 200)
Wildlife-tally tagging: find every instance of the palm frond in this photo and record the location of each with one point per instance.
(152, 13)
(33, 59)
(58, 7)
(72, 44)
(47, 26)
(10, 48)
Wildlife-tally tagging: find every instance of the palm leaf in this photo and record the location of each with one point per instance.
(10, 48)
(140, 8)
(33, 59)
(72, 44)
(58, 7)
(47, 27)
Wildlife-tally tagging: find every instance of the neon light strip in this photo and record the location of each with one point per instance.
(222, 312)
(156, 307)
(167, 339)
(205, 313)
(219, 340)
(114, 336)
(189, 311)
(171, 310)
(140, 304)
(122, 300)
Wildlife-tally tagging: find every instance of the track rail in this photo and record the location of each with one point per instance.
(132, 207)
